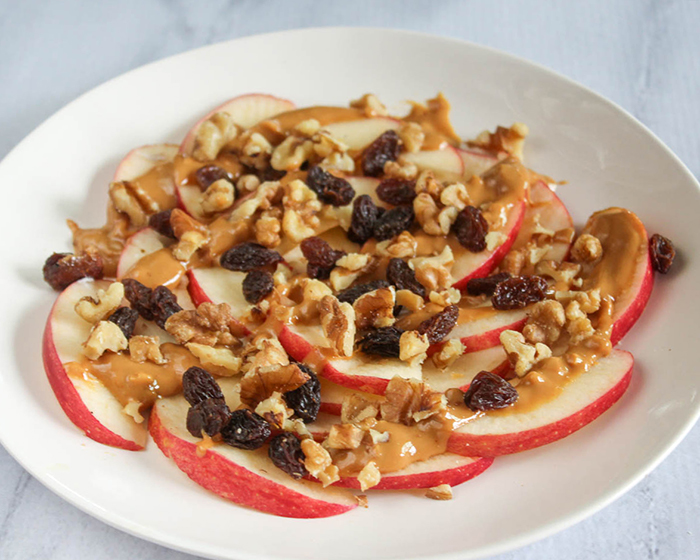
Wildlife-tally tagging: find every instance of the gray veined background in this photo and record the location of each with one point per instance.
(642, 54)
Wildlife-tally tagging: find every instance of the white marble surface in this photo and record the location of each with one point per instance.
(641, 54)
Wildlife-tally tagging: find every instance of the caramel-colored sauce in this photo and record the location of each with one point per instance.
(159, 268)
(434, 118)
(158, 185)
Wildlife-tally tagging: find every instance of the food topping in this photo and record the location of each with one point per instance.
(62, 269)
(662, 253)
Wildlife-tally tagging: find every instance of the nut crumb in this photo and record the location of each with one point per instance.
(105, 337)
(94, 310)
(442, 492)
(369, 476)
(146, 348)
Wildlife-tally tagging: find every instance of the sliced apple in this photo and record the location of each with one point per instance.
(140, 161)
(248, 478)
(446, 162)
(480, 328)
(581, 401)
(460, 374)
(333, 395)
(86, 401)
(246, 110)
(142, 243)
(446, 468)
(476, 162)
(218, 285)
(357, 135)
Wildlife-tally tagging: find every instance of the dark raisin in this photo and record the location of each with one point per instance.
(364, 216)
(321, 256)
(382, 342)
(403, 277)
(488, 392)
(249, 256)
(305, 400)
(205, 176)
(256, 285)
(286, 454)
(161, 223)
(486, 286)
(397, 192)
(349, 295)
(163, 305)
(208, 416)
(270, 174)
(440, 324)
(393, 222)
(62, 269)
(125, 318)
(245, 430)
(662, 253)
(518, 292)
(139, 296)
(330, 189)
(198, 385)
(385, 148)
(471, 228)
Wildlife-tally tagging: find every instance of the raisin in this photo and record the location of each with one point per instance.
(125, 319)
(486, 286)
(321, 256)
(62, 269)
(256, 285)
(198, 385)
(364, 216)
(139, 296)
(161, 223)
(518, 292)
(385, 148)
(205, 176)
(249, 256)
(163, 305)
(397, 192)
(403, 277)
(286, 454)
(246, 430)
(330, 189)
(349, 295)
(305, 400)
(662, 253)
(208, 416)
(439, 325)
(270, 174)
(393, 222)
(382, 342)
(488, 392)
(471, 228)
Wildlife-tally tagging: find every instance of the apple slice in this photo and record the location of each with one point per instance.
(218, 285)
(140, 161)
(460, 374)
(248, 478)
(246, 110)
(142, 243)
(480, 328)
(446, 162)
(446, 468)
(333, 395)
(476, 162)
(579, 402)
(86, 401)
(357, 135)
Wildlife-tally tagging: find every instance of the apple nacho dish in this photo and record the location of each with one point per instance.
(302, 305)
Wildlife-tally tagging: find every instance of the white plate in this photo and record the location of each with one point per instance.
(62, 170)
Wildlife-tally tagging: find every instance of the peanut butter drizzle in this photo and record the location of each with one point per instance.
(158, 269)
(108, 241)
(434, 118)
(158, 184)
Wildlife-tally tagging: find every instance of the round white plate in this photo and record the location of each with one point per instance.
(62, 170)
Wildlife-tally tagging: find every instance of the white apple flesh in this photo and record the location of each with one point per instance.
(141, 160)
(359, 134)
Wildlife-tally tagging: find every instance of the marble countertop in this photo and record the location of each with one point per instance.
(642, 54)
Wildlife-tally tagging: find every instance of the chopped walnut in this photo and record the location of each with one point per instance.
(268, 228)
(301, 205)
(545, 322)
(362, 501)
(355, 408)
(247, 183)
(434, 272)
(218, 197)
(402, 246)
(371, 105)
(338, 322)
(348, 269)
(319, 463)
(413, 347)
(262, 352)
(442, 492)
(495, 239)
(182, 222)
(379, 437)
(209, 324)
(260, 383)
(513, 262)
(274, 410)
(427, 183)
(369, 476)
(564, 273)
(375, 309)
(133, 201)
(344, 436)
(267, 194)
(427, 211)
(522, 355)
(450, 296)
(212, 135)
(338, 161)
(313, 292)
(106, 336)
(401, 169)
(455, 195)
(188, 245)
(326, 145)
(308, 127)
(410, 300)
(297, 426)
(94, 310)
(586, 248)
(133, 409)
(412, 136)
(221, 357)
(578, 324)
(146, 348)
(291, 153)
(256, 150)
(510, 140)
(589, 301)
(408, 401)
(448, 354)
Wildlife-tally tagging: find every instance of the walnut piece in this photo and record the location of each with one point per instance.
(413, 347)
(267, 194)
(369, 476)
(450, 296)
(256, 150)
(412, 136)
(268, 228)
(371, 105)
(408, 401)
(402, 246)
(410, 300)
(344, 436)
(274, 410)
(308, 127)
(212, 135)
(94, 310)
(427, 183)
(589, 301)
(513, 262)
(210, 324)
(356, 408)
(221, 357)
(564, 273)
(586, 248)
(133, 201)
(262, 352)
(375, 309)
(448, 354)
(338, 161)
(434, 272)
(400, 169)
(545, 322)
(291, 153)
(106, 336)
(455, 195)
(578, 324)
(301, 205)
(522, 355)
(442, 492)
(338, 322)
(218, 197)
(146, 348)
(247, 183)
(319, 463)
(348, 269)
(260, 383)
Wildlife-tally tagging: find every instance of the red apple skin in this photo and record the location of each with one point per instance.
(70, 400)
(233, 482)
(331, 408)
(490, 338)
(296, 346)
(196, 292)
(453, 477)
(505, 444)
(629, 316)
(364, 383)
